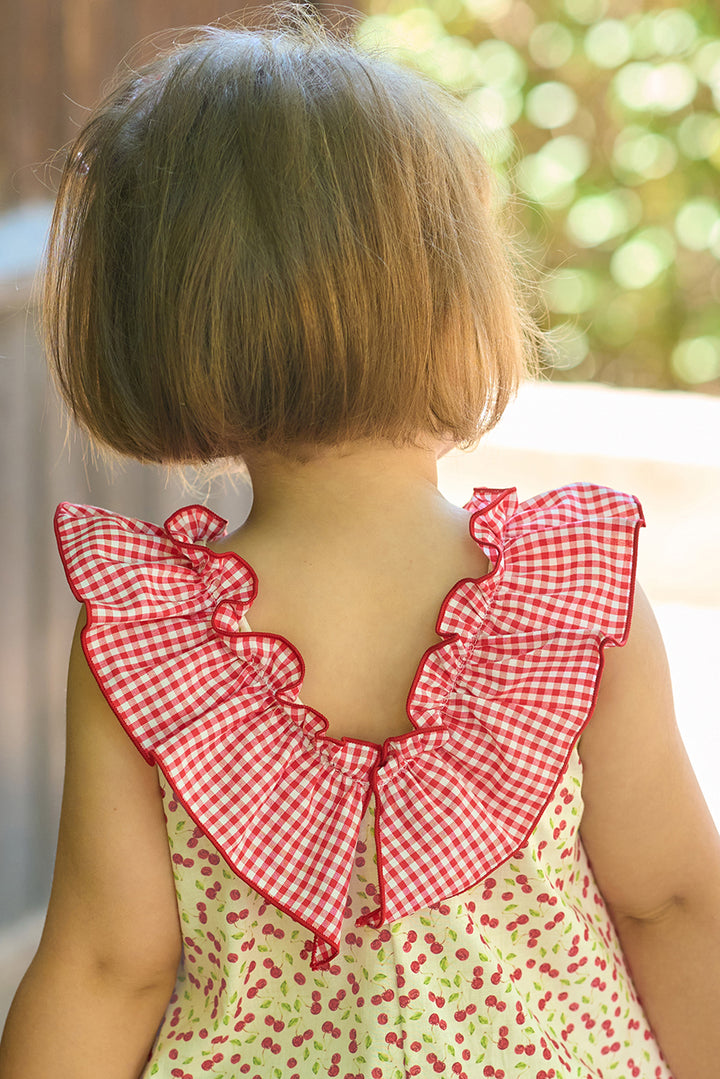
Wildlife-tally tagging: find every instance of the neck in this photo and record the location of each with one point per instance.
(343, 487)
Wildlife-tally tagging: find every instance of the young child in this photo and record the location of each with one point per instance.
(403, 793)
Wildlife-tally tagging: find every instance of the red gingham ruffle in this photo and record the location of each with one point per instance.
(497, 705)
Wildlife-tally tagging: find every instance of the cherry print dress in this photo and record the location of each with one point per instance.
(421, 907)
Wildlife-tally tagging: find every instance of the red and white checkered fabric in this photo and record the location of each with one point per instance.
(497, 705)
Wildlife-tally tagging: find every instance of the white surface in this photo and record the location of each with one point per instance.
(692, 642)
(589, 418)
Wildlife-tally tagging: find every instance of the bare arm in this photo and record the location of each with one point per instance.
(654, 849)
(95, 993)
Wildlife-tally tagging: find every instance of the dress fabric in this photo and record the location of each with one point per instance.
(424, 906)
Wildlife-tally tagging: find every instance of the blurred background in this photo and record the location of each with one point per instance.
(601, 119)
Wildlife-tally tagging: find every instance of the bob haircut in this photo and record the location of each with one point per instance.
(273, 238)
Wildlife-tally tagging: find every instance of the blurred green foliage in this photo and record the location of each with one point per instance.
(601, 117)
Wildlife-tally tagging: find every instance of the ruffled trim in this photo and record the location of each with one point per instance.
(497, 706)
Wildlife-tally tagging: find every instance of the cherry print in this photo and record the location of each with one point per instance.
(502, 1042)
(445, 961)
(523, 882)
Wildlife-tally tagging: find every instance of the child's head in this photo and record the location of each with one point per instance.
(269, 238)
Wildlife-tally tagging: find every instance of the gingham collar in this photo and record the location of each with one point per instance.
(497, 705)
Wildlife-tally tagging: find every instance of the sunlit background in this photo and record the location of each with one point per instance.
(603, 119)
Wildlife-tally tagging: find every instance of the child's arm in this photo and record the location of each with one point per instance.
(94, 995)
(654, 848)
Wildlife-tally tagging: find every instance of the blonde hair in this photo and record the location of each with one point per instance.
(272, 237)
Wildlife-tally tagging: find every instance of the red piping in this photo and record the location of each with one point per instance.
(375, 917)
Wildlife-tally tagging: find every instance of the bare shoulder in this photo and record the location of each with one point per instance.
(646, 827)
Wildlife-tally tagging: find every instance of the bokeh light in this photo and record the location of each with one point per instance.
(595, 219)
(674, 31)
(641, 260)
(585, 11)
(639, 154)
(568, 345)
(549, 175)
(494, 108)
(489, 9)
(698, 135)
(551, 44)
(551, 104)
(695, 223)
(499, 64)
(602, 123)
(608, 43)
(697, 360)
(569, 291)
(706, 62)
(659, 88)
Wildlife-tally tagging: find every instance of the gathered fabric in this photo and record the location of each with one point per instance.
(284, 813)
